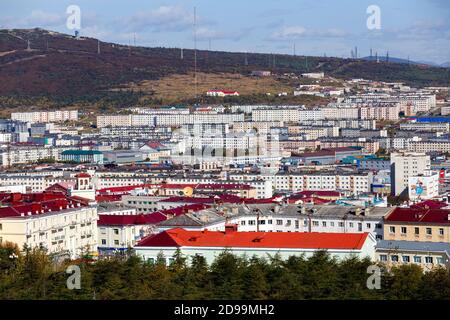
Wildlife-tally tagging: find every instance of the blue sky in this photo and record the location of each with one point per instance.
(418, 28)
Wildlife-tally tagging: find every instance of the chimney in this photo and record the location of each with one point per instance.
(231, 228)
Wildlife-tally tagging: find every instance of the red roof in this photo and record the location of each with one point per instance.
(306, 240)
(429, 204)
(440, 216)
(37, 203)
(225, 198)
(83, 175)
(317, 193)
(200, 186)
(139, 219)
(150, 218)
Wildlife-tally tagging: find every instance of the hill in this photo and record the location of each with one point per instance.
(58, 65)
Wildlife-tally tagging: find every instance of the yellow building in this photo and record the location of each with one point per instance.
(418, 224)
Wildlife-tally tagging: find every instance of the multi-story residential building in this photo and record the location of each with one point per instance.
(24, 154)
(46, 116)
(369, 145)
(405, 165)
(425, 126)
(65, 226)
(352, 183)
(430, 145)
(424, 186)
(428, 255)
(418, 224)
(276, 114)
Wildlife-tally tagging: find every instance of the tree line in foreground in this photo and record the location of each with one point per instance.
(32, 274)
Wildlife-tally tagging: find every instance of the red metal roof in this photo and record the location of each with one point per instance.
(139, 219)
(183, 238)
(440, 216)
(150, 218)
(37, 203)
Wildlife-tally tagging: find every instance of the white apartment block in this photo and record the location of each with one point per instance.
(69, 231)
(32, 183)
(46, 116)
(423, 187)
(276, 114)
(437, 145)
(29, 154)
(259, 126)
(340, 112)
(405, 165)
(425, 126)
(354, 183)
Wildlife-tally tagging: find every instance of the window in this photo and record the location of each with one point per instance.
(417, 259)
(251, 222)
(359, 226)
(103, 241)
(378, 226)
(262, 221)
(383, 257)
(332, 223)
(394, 258)
(116, 242)
(243, 223)
(351, 224)
(315, 223)
(403, 229)
(116, 231)
(297, 224)
(416, 230)
(392, 229)
(279, 222)
(429, 232)
(441, 231)
(440, 260)
(341, 224)
(368, 225)
(324, 223)
(406, 259)
(269, 221)
(288, 222)
(1, 226)
(428, 259)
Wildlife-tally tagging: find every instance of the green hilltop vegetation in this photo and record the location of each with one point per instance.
(32, 275)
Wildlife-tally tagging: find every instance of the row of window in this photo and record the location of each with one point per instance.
(404, 230)
(407, 259)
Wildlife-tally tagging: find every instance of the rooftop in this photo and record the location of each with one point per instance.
(183, 238)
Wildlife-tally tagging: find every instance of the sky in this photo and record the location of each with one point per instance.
(419, 29)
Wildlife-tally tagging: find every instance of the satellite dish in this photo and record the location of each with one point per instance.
(188, 191)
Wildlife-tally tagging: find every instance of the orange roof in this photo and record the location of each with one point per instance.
(302, 240)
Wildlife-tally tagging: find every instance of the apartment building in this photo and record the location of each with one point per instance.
(430, 145)
(46, 116)
(276, 114)
(65, 226)
(353, 183)
(25, 154)
(418, 224)
(405, 165)
(427, 255)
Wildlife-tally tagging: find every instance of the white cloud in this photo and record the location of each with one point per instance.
(296, 32)
(164, 18)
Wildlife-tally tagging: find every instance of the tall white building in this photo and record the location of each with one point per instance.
(405, 165)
